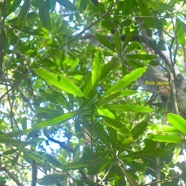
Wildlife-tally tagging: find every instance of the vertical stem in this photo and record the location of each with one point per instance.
(158, 171)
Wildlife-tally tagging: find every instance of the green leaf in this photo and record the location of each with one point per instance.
(132, 46)
(139, 129)
(141, 56)
(14, 142)
(59, 81)
(106, 113)
(13, 6)
(67, 4)
(96, 68)
(23, 12)
(101, 134)
(11, 151)
(54, 121)
(107, 68)
(166, 138)
(146, 11)
(103, 40)
(126, 80)
(180, 32)
(108, 98)
(178, 122)
(150, 152)
(44, 14)
(127, 7)
(117, 42)
(128, 108)
(129, 177)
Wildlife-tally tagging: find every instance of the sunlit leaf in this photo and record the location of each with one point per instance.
(59, 81)
(54, 121)
(106, 113)
(166, 138)
(178, 122)
(126, 80)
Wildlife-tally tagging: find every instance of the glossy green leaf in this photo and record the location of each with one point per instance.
(55, 121)
(59, 81)
(104, 41)
(178, 122)
(126, 80)
(44, 14)
(166, 138)
(106, 113)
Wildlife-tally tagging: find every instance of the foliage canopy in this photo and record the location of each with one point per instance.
(70, 110)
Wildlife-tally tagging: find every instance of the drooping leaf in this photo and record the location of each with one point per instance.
(59, 81)
(44, 14)
(178, 122)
